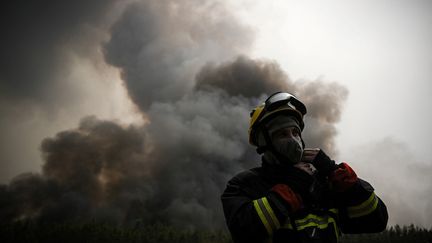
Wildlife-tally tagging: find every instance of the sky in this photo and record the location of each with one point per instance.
(141, 79)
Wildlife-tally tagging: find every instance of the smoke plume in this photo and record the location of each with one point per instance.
(92, 172)
(184, 64)
(245, 77)
(49, 72)
(160, 45)
(249, 78)
(36, 40)
(324, 103)
(399, 178)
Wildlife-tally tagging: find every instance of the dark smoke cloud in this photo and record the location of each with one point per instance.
(40, 44)
(93, 172)
(160, 45)
(244, 76)
(252, 78)
(171, 170)
(180, 65)
(200, 141)
(36, 37)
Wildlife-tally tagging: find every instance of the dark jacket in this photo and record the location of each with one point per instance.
(254, 213)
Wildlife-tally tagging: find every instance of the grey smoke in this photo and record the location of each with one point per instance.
(250, 78)
(87, 175)
(160, 45)
(244, 76)
(399, 178)
(40, 43)
(180, 65)
(324, 102)
(36, 38)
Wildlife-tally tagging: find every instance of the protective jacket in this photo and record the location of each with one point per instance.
(254, 213)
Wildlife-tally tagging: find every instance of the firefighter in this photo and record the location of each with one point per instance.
(297, 194)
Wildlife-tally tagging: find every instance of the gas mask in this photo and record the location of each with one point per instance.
(290, 150)
(283, 151)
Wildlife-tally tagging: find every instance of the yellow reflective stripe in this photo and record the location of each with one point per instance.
(363, 204)
(312, 220)
(364, 208)
(287, 224)
(334, 210)
(336, 228)
(262, 217)
(270, 211)
(267, 214)
(320, 224)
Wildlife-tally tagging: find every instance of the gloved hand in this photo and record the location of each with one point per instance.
(298, 179)
(306, 167)
(320, 160)
(318, 189)
(290, 198)
(343, 178)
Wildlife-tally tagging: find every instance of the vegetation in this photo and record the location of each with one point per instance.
(96, 232)
(394, 234)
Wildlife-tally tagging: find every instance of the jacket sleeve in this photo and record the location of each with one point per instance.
(250, 219)
(361, 210)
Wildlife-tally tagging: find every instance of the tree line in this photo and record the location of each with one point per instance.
(28, 231)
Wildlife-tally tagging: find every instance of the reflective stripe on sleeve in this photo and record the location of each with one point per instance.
(266, 214)
(364, 208)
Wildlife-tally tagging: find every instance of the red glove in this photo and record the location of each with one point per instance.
(343, 177)
(289, 196)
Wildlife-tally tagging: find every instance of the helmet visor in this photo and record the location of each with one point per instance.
(281, 98)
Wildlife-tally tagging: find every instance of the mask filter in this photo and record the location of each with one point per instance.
(291, 150)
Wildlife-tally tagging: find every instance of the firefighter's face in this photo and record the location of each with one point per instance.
(287, 141)
(286, 133)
